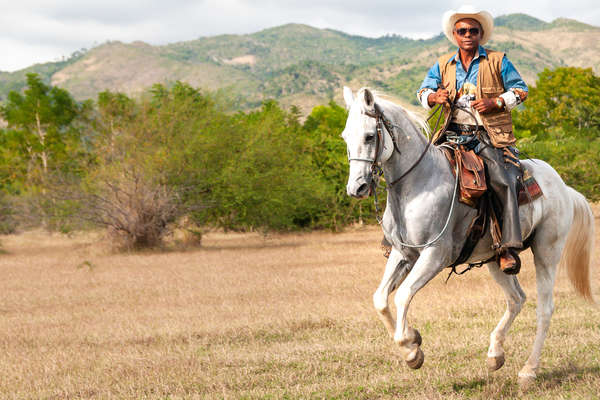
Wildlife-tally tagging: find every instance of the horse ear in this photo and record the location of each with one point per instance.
(348, 97)
(369, 99)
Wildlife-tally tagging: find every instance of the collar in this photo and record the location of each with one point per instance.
(480, 53)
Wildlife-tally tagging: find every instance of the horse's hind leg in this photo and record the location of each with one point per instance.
(395, 271)
(546, 260)
(515, 298)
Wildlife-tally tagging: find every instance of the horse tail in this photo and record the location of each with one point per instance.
(577, 255)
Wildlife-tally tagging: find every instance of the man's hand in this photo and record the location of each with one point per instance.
(439, 97)
(485, 105)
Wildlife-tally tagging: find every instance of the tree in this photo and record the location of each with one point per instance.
(324, 127)
(115, 111)
(41, 123)
(43, 138)
(564, 102)
(142, 179)
(560, 124)
(268, 179)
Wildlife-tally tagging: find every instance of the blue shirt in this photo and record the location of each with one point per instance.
(510, 77)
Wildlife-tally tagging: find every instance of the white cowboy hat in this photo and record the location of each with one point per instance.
(483, 17)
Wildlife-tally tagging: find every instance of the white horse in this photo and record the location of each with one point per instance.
(419, 209)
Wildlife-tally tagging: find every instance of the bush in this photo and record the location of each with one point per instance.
(135, 208)
(267, 178)
(8, 217)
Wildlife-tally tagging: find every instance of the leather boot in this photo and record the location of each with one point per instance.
(510, 263)
(503, 181)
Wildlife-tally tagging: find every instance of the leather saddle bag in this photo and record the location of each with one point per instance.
(472, 176)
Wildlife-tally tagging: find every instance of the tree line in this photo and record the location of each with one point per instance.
(560, 123)
(181, 155)
(139, 165)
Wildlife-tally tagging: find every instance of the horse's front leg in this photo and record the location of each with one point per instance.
(427, 266)
(396, 269)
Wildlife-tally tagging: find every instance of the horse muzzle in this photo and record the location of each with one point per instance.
(360, 188)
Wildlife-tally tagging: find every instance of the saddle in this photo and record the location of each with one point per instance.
(474, 192)
(472, 177)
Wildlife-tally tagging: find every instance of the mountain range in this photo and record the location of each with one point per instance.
(305, 66)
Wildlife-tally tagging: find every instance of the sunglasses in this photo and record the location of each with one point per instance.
(463, 31)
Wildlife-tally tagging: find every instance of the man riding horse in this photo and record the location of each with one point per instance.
(424, 220)
(478, 88)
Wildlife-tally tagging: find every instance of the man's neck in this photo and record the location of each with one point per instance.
(466, 56)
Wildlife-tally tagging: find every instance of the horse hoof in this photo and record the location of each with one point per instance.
(413, 336)
(417, 360)
(418, 338)
(495, 363)
(526, 382)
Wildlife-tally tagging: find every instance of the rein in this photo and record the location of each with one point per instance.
(377, 171)
(380, 119)
(389, 126)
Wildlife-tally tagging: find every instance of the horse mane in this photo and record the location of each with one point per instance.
(385, 101)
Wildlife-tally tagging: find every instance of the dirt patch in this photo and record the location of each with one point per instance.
(247, 59)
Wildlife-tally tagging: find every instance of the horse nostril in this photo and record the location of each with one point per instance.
(362, 189)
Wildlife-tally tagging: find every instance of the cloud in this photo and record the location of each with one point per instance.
(18, 54)
(39, 30)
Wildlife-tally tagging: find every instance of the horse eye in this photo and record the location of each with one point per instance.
(369, 138)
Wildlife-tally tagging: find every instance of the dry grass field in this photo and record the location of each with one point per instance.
(249, 316)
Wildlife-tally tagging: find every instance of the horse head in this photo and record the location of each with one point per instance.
(368, 142)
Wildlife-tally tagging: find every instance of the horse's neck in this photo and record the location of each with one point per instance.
(418, 205)
(412, 144)
(413, 203)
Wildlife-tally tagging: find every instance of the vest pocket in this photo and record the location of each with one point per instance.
(501, 135)
(499, 127)
(492, 91)
(499, 123)
(498, 118)
(501, 140)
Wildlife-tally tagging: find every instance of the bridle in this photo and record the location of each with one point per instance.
(380, 142)
(376, 171)
(382, 121)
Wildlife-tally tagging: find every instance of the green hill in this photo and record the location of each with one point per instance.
(301, 65)
(16, 80)
(521, 22)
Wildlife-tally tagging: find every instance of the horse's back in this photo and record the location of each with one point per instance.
(557, 196)
(545, 175)
(557, 207)
(554, 206)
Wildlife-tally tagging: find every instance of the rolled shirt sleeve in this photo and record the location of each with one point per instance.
(423, 95)
(517, 89)
(429, 85)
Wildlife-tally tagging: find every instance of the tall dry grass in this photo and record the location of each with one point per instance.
(247, 316)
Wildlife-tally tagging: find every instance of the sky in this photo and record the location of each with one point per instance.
(36, 31)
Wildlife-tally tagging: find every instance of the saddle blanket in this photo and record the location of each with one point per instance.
(529, 190)
(473, 181)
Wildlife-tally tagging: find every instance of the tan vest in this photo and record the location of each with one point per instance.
(498, 124)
